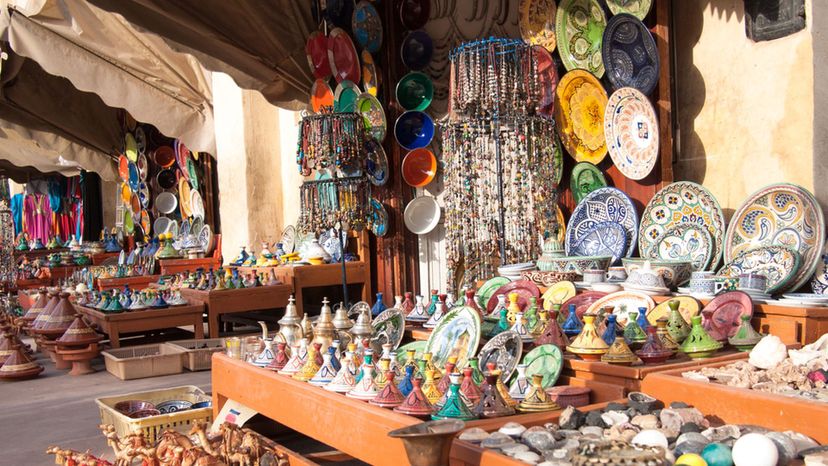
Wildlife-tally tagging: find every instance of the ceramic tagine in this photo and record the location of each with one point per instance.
(500, 306)
(519, 387)
(664, 335)
(365, 388)
(745, 337)
(280, 357)
(477, 376)
(572, 326)
(454, 407)
(430, 387)
(344, 380)
(642, 321)
(389, 396)
(653, 351)
(519, 327)
(311, 366)
(677, 327)
(611, 331)
(632, 332)
(537, 399)
(416, 403)
(699, 344)
(468, 388)
(619, 353)
(326, 372)
(439, 312)
(79, 345)
(406, 384)
(551, 332)
(418, 313)
(298, 357)
(492, 403)
(408, 303)
(472, 303)
(588, 345)
(432, 305)
(513, 308)
(19, 366)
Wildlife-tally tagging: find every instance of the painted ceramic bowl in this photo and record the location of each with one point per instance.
(415, 91)
(548, 278)
(414, 130)
(673, 272)
(202, 404)
(419, 167)
(577, 264)
(172, 406)
(131, 406)
(144, 413)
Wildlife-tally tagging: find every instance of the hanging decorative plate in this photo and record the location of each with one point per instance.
(414, 13)
(196, 205)
(134, 176)
(164, 156)
(367, 26)
(623, 302)
(125, 192)
(172, 229)
(193, 174)
(345, 97)
(630, 54)
(457, 334)
(414, 130)
(419, 347)
(339, 12)
(525, 290)
(728, 309)
(603, 205)
(373, 116)
(376, 163)
(184, 198)
(579, 114)
(422, 215)
(688, 307)
(415, 91)
(603, 239)
(537, 23)
(196, 225)
(322, 97)
(144, 195)
(146, 223)
(559, 216)
(488, 289)
(182, 155)
(166, 179)
(546, 360)
(378, 218)
(819, 284)
(678, 203)
(143, 168)
(581, 301)
(130, 147)
(135, 205)
(288, 239)
(779, 215)
(184, 229)
(316, 50)
(637, 8)
(370, 76)
(129, 225)
(685, 242)
(342, 56)
(140, 141)
(160, 225)
(419, 167)
(585, 179)
(388, 327)
(123, 167)
(558, 293)
(416, 50)
(579, 25)
(779, 265)
(631, 132)
(504, 350)
(547, 77)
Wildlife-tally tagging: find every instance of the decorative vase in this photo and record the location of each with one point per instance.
(378, 306)
(432, 393)
(520, 385)
(664, 335)
(699, 344)
(418, 312)
(572, 326)
(454, 407)
(676, 325)
(653, 351)
(588, 345)
(439, 312)
(432, 306)
(537, 400)
(408, 303)
(632, 332)
(552, 332)
(745, 337)
(619, 353)
(429, 443)
(280, 357)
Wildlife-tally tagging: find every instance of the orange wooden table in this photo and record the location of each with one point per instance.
(138, 282)
(114, 324)
(218, 303)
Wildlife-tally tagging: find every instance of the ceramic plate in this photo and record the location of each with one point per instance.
(376, 163)
(677, 203)
(196, 205)
(316, 50)
(143, 168)
(123, 167)
(288, 239)
(422, 215)
(414, 14)
(160, 225)
(537, 22)
(145, 222)
(370, 76)
(688, 307)
(579, 113)
(338, 12)
(582, 302)
(166, 203)
(378, 218)
(559, 217)
(191, 171)
(144, 195)
(129, 224)
(558, 293)
(388, 327)
(134, 176)
(637, 8)
(631, 299)
(819, 284)
(779, 215)
(342, 56)
(419, 167)
(685, 242)
(140, 141)
(184, 198)
(172, 228)
(630, 54)
(631, 132)
(414, 130)
(779, 264)
(585, 179)
(579, 26)
(130, 147)
(457, 334)
(164, 156)
(322, 96)
(373, 116)
(603, 205)
(728, 309)
(546, 360)
(416, 50)
(806, 297)
(488, 289)
(525, 290)
(415, 91)
(345, 97)
(603, 239)
(182, 156)
(547, 76)
(205, 239)
(419, 348)
(504, 350)
(367, 26)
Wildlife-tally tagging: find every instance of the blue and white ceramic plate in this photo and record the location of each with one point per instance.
(367, 26)
(603, 205)
(779, 264)
(379, 218)
(603, 239)
(819, 284)
(685, 242)
(376, 163)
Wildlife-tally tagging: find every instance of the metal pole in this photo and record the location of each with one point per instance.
(341, 234)
(501, 210)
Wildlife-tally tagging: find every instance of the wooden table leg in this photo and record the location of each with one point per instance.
(297, 295)
(366, 293)
(114, 337)
(198, 327)
(212, 324)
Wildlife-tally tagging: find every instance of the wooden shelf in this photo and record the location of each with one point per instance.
(135, 283)
(218, 303)
(114, 324)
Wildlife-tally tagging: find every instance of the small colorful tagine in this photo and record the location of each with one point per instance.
(280, 358)
(389, 396)
(619, 353)
(519, 387)
(454, 407)
(698, 344)
(653, 351)
(676, 325)
(746, 337)
(430, 387)
(664, 335)
(572, 326)
(365, 389)
(588, 345)
(611, 331)
(537, 399)
(416, 404)
(310, 367)
(551, 334)
(344, 380)
(326, 372)
(468, 388)
(633, 333)
(492, 403)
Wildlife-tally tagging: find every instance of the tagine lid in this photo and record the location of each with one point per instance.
(59, 319)
(19, 366)
(699, 341)
(620, 353)
(416, 403)
(79, 333)
(42, 317)
(588, 341)
(745, 335)
(7, 346)
(653, 349)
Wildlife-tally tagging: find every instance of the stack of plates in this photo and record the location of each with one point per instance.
(513, 271)
(803, 300)
(685, 290)
(756, 295)
(648, 290)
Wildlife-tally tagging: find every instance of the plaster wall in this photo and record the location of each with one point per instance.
(745, 110)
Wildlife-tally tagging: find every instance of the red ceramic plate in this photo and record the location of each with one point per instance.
(182, 156)
(582, 302)
(316, 49)
(322, 97)
(123, 167)
(343, 57)
(419, 167)
(524, 288)
(727, 310)
(164, 156)
(547, 79)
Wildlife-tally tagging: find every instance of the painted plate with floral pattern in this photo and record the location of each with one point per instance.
(546, 360)
(370, 76)
(488, 289)
(582, 301)
(678, 203)
(388, 327)
(630, 54)
(505, 350)
(779, 215)
(819, 284)
(779, 264)
(579, 25)
(603, 239)
(367, 26)
(558, 293)
(631, 132)
(637, 8)
(537, 22)
(585, 179)
(579, 113)
(688, 307)
(603, 205)
(457, 334)
(622, 303)
(686, 242)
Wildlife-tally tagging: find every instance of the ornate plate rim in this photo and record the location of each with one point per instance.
(786, 279)
(562, 119)
(606, 50)
(563, 50)
(676, 226)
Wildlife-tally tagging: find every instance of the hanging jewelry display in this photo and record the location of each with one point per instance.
(326, 203)
(8, 270)
(331, 141)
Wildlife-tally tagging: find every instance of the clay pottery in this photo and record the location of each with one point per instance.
(572, 326)
(365, 388)
(379, 377)
(418, 313)
(280, 357)
(746, 337)
(432, 393)
(408, 303)
(710, 326)
(492, 403)
(389, 396)
(326, 372)
(676, 325)
(298, 357)
(7, 346)
(477, 376)
(653, 351)
(454, 406)
(537, 400)
(79, 345)
(611, 329)
(470, 389)
(699, 344)
(59, 319)
(551, 334)
(619, 353)
(416, 403)
(439, 312)
(429, 443)
(565, 396)
(36, 308)
(520, 385)
(501, 387)
(472, 303)
(311, 366)
(344, 380)
(18, 366)
(265, 357)
(406, 384)
(429, 366)
(445, 382)
(664, 335)
(588, 345)
(43, 316)
(633, 333)
(520, 328)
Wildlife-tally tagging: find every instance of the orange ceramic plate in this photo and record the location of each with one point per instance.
(135, 203)
(579, 113)
(419, 167)
(123, 167)
(145, 222)
(321, 96)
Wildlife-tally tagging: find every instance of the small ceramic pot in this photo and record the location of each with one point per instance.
(616, 274)
(753, 281)
(727, 283)
(709, 286)
(594, 276)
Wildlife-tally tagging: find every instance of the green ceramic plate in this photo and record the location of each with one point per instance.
(345, 97)
(546, 360)
(579, 25)
(191, 170)
(419, 348)
(637, 8)
(388, 327)
(457, 334)
(487, 290)
(585, 179)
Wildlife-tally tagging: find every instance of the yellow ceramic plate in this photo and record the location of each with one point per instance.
(537, 23)
(126, 193)
(370, 77)
(558, 294)
(561, 225)
(184, 198)
(130, 147)
(688, 307)
(579, 112)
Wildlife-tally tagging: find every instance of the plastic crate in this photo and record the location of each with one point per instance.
(198, 354)
(153, 426)
(137, 362)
